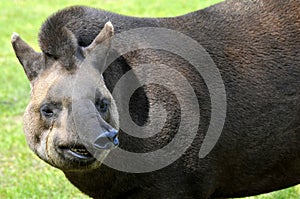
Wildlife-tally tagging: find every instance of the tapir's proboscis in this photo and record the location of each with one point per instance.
(73, 118)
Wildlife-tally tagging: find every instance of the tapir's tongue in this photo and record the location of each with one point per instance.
(91, 128)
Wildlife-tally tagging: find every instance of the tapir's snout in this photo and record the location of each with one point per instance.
(93, 130)
(107, 140)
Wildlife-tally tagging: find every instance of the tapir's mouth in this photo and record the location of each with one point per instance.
(76, 152)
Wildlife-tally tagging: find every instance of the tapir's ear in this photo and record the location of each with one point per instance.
(96, 53)
(31, 61)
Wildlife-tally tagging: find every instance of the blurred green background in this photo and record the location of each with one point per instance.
(22, 174)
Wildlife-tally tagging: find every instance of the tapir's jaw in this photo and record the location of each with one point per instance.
(69, 154)
(60, 148)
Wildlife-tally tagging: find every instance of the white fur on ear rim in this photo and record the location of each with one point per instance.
(104, 36)
(106, 33)
(14, 37)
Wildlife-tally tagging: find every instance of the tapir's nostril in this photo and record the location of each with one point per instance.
(116, 141)
(107, 140)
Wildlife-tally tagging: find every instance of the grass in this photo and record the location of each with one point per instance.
(22, 174)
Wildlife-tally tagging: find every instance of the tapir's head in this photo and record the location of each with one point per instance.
(71, 120)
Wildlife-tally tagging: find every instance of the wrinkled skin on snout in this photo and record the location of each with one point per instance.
(71, 121)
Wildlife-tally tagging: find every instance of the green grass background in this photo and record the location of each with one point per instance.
(22, 174)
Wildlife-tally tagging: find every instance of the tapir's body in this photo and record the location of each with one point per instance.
(255, 44)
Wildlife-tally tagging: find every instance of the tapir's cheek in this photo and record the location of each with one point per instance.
(33, 127)
(37, 137)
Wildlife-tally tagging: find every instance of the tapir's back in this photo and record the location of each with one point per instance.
(256, 47)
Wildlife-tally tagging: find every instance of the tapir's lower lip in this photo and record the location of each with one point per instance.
(76, 152)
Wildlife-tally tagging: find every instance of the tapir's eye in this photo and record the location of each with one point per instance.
(47, 111)
(102, 105)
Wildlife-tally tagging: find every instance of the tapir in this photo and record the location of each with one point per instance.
(73, 120)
